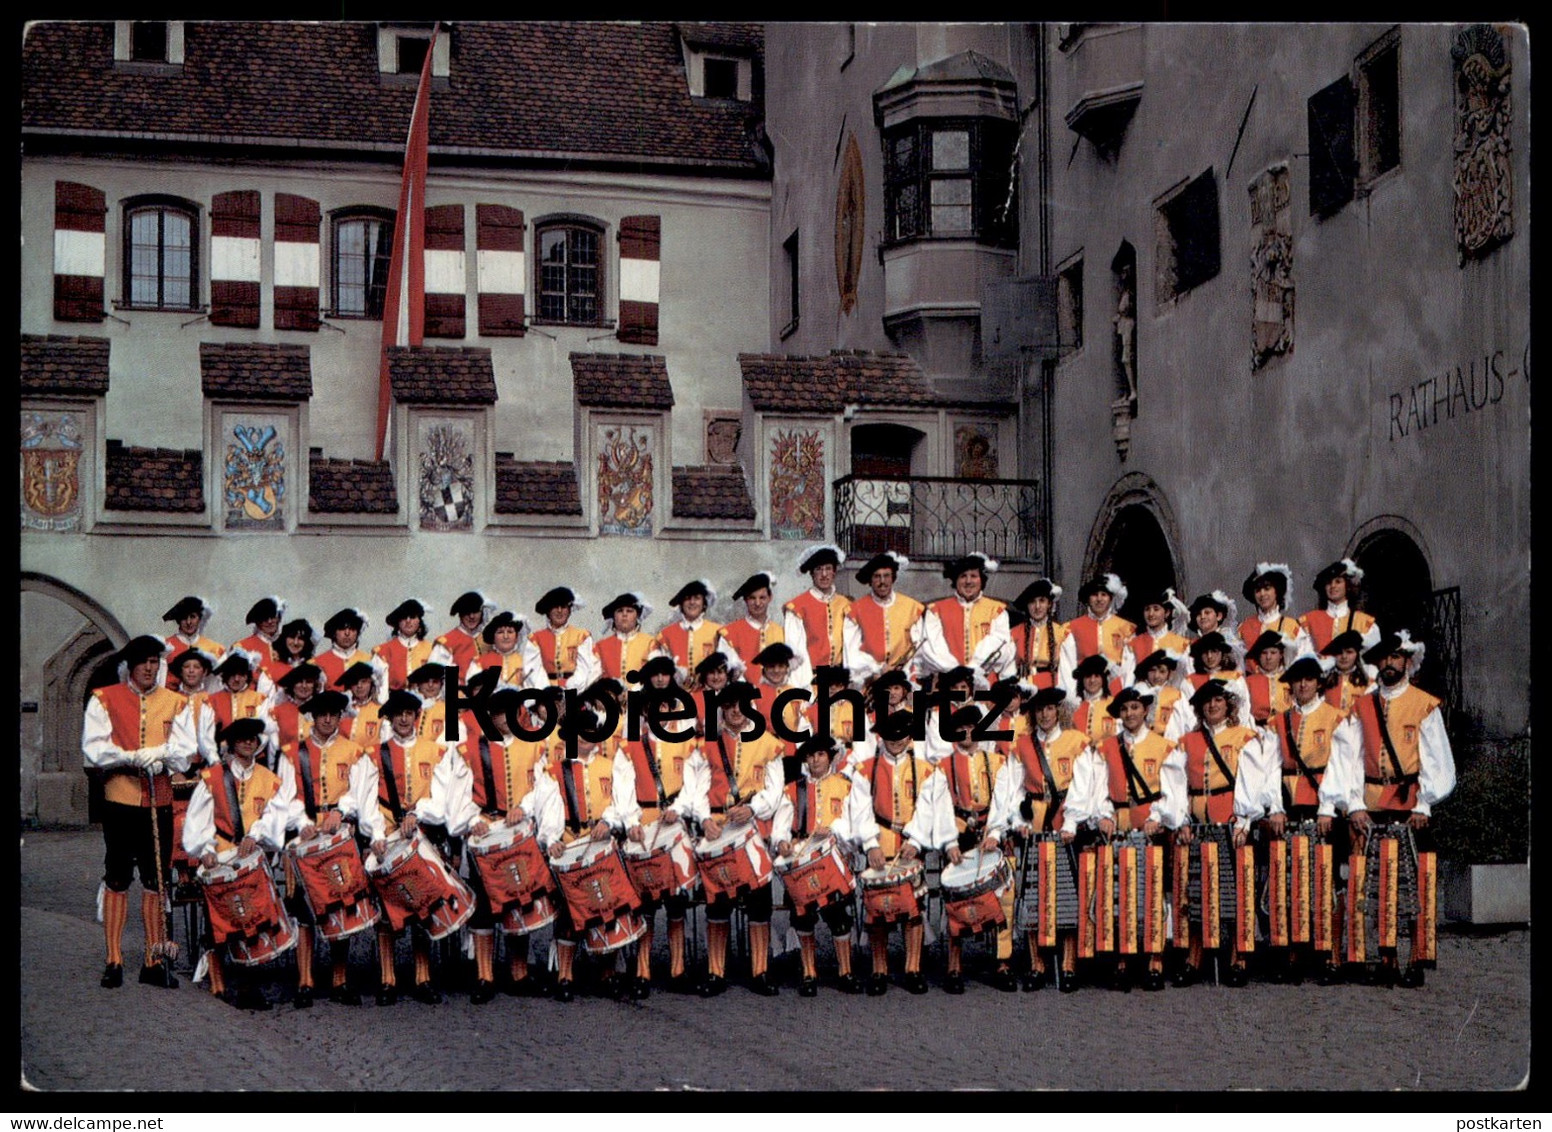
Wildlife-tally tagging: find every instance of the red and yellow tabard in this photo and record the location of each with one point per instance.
(275, 669)
(747, 760)
(411, 770)
(432, 720)
(401, 661)
(1384, 787)
(1060, 753)
(619, 655)
(669, 758)
(1109, 636)
(1310, 734)
(748, 641)
(258, 645)
(1166, 698)
(818, 804)
(177, 645)
(792, 713)
(1147, 756)
(886, 630)
(1323, 628)
(559, 650)
(1145, 644)
(327, 769)
(512, 768)
(965, 627)
(823, 623)
(1037, 649)
(895, 788)
(689, 646)
(230, 706)
(586, 790)
(291, 724)
(333, 665)
(843, 719)
(1251, 628)
(1268, 696)
(1344, 694)
(464, 647)
(1212, 793)
(510, 664)
(253, 794)
(365, 726)
(1093, 719)
(138, 722)
(970, 781)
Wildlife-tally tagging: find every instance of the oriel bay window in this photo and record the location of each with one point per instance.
(945, 178)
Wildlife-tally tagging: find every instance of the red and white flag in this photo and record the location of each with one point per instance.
(404, 304)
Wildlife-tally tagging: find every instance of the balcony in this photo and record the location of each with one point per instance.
(938, 517)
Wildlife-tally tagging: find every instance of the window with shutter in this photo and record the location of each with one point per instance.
(1332, 166)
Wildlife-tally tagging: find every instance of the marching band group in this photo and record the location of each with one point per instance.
(1193, 786)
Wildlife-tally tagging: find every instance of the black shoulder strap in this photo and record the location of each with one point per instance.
(234, 807)
(1054, 797)
(309, 795)
(727, 769)
(1390, 747)
(492, 803)
(657, 773)
(1136, 784)
(569, 788)
(395, 807)
(1291, 738)
(802, 826)
(1212, 749)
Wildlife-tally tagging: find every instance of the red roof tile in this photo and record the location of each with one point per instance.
(62, 364)
(259, 371)
(351, 487)
(154, 479)
(826, 384)
(622, 381)
(711, 491)
(536, 487)
(442, 375)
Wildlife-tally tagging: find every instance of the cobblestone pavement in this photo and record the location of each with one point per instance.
(1468, 1029)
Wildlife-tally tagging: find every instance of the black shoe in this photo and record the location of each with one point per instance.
(954, 984)
(1330, 974)
(304, 998)
(641, 990)
(849, 984)
(564, 991)
(761, 984)
(808, 988)
(426, 993)
(877, 985)
(388, 996)
(1153, 981)
(1004, 979)
(158, 975)
(682, 984)
(1068, 982)
(713, 986)
(1184, 977)
(914, 982)
(250, 998)
(1412, 977)
(484, 990)
(342, 995)
(1385, 974)
(1033, 980)
(1236, 975)
(113, 976)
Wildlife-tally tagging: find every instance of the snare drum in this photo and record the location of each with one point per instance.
(334, 884)
(414, 883)
(245, 910)
(816, 875)
(973, 892)
(735, 863)
(520, 920)
(663, 862)
(894, 892)
(513, 870)
(594, 882)
(604, 938)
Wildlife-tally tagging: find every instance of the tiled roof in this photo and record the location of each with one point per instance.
(536, 487)
(351, 487)
(584, 90)
(259, 371)
(442, 375)
(729, 37)
(711, 491)
(828, 383)
(622, 381)
(154, 479)
(60, 364)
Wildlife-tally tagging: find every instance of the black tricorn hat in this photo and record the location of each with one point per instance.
(407, 608)
(177, 662)
(657, 666)
(240, 729)
(506, 619)
(357, 672)
(1096, 665)
(699, 587)
(1209, 690)
(777, 652)
(1342, 568)
(1040, 587)
(1305, 668)
(234, 663)
(975, 561)
(1045, 697)
(717, 659)
(142, 648)
(188, 607)
(301, 672)
(886, 560)
(1125, 696)
(627, 600)
(1157, 656)
(1213, 640)
(760, 581)
(471, 602)
(344, 619)
(428, 671)
(1271, 639)
(1207, 601)
(400, 702)
(264, 609)
(1352, 639)
(817, 745)
(326, 703)
(1276, 578)
(560, 595)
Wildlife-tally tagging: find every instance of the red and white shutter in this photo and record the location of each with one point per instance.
(80, 251)
(499, 269)
(296, 262)
(446, 280)
(234, 259)
(640, 247)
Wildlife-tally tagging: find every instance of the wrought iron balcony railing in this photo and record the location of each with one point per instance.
(938, 517)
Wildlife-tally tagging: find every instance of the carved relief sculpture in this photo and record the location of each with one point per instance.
(625, 480)
(254, 478)
(1271, 267)
(446, 477)
(1125, 320)
(975, 452)
(722, 436)
(1484, 216)
(797, 484)
(51, 478)
(850, 209)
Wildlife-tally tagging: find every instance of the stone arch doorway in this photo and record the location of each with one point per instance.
(1398, 591)
(1134, 537)
(67, 643)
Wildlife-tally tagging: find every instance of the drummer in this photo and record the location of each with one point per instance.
(660, 781)
(775, 663)
(293, 690)
(1031, 797)
(363, 715)
(427, 682)
(826, 798)
(214, 829)
(508, 648)
(744, 785)
(714, 674)
(835, 679)
(914, 813)
(971, 768)
(505, 790)
(239, 699)
(1170, 715)
(955, 690)
(335, 785)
